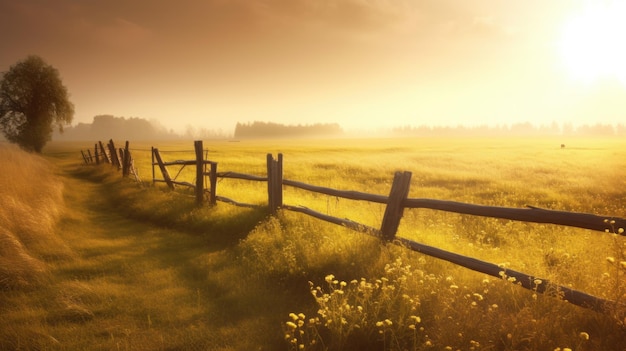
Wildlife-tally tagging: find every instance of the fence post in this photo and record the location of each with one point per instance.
(120, 157)
(104, 153)
(84, 157)
(213, 180)
(126, 162)
(152, 155)
(89, 156)
(393, 213)
(279, 181)
(114, 157)
(111, 152)
(274, 182)
(271, 202)
(166, 174)
(95, 150)
(199, 172)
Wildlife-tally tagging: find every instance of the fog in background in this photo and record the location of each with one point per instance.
(105, 127)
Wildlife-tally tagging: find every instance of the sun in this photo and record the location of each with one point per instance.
(593, 42)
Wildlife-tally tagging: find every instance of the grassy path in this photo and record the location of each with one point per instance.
(130, 285)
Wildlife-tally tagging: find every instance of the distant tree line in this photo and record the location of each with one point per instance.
(275, 130)
(201, 133)
(105, 127)
(517, 129)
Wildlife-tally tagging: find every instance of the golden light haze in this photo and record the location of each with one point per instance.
(592, 44)
(362, 64)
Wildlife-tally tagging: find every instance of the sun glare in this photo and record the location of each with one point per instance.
(593, 42)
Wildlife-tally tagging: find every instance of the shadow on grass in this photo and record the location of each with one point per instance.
(222, 225)
(151, 253)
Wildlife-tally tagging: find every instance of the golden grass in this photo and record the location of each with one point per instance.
(31, 198)
(584, 177)
(141, 268)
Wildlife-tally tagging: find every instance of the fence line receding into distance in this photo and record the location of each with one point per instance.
(120, 158)
(395, 202)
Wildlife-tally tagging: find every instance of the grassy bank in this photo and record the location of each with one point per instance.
(28, 215)
(142, 268)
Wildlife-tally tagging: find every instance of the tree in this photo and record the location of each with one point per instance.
(32, 100)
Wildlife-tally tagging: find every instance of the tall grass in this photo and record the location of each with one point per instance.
(585, 177)
(32, 200)
(160, 273)
(516, 173)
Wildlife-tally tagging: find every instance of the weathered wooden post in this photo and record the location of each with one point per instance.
(199, 172)
(152, 155)
(274, 182)
(213, 181)
(120, 157)
(95, 150)
(279, 181)
(105, 156)
(271, 202)
(126, 162)
(393, 213)
(111, 152)
(166, 174)
(84, 157)
(114, 156)
(89, 157)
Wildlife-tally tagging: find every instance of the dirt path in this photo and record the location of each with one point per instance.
(132, 285)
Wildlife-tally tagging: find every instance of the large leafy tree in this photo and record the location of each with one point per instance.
(32, 101)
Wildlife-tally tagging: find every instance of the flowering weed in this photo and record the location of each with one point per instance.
(361, 312)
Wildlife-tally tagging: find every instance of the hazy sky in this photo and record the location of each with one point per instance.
(361, 63)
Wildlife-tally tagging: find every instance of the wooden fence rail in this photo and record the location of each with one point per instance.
(396, 202)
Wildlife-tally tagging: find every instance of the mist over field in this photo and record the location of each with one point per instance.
(105, 127)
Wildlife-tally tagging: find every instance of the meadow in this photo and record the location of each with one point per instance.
(137, 267)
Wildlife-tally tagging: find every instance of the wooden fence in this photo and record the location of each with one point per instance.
(396, 202)
(120, 158)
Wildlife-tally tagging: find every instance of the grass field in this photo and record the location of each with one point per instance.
(141, 268)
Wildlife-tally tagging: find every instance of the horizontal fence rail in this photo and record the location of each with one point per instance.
(529, 214)
(539, 285)
(396, 202)
(235, 175)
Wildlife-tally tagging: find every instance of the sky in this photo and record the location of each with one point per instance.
(364, 64)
